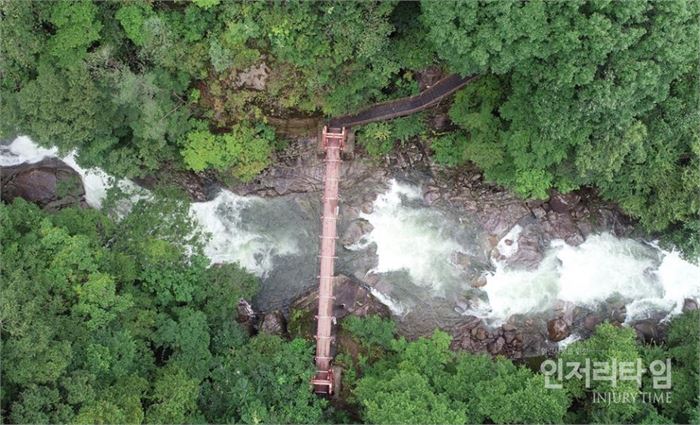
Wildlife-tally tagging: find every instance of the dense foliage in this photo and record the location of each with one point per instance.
(573, 93)
(130, 84)
(124, 321)
(106, 322)
(424, 382)
(579, 93)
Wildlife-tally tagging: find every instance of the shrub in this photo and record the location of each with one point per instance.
(245, 151)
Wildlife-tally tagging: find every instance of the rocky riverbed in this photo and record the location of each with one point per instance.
(429, 246)
(502, 230)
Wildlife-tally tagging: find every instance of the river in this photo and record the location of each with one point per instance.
(417, 256)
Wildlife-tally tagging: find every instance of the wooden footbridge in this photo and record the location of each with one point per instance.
(333, 140)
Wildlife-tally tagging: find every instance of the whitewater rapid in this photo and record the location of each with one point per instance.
(602, 268)
(231, 238)
(416, 247)
(411, 238)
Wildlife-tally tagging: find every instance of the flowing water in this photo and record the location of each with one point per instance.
(416, 253)
(602, 268)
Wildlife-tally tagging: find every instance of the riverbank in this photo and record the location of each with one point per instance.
(440, 247)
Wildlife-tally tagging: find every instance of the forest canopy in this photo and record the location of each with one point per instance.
(572, 93)
(107, 320)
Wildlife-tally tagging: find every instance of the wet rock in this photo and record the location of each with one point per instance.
(563, 203)
(429, 197)
(461, 260)
(367, 207)
(565, 311)
(539, 213)
(274, 323)
(617, 312)
(497, 346)
(585, 228)
(244, 312)
(480, 333)
(562, 226)
(557, 330)
(689, 304)
(355, 231)
(245, 315)
(647, 331)
(478, 282)
(50, 183)
(351, 298)
(530, 250)
(509, 327)
(501, 216)
(591, 321)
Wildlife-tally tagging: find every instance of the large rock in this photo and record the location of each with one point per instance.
(50, 183)
(274, 323)
(563, 203)
(689, 304)
(591, 321)
(557, 329)
(473, 335)
(530, 249)
(245, 315)
(351, 298)
(649, 331)
(562, 226)
(355, 231)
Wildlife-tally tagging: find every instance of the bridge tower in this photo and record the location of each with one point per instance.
(333, 141)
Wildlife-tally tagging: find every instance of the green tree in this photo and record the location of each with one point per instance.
(578, 93)
(405, 397)
(245, 150)
(265, 381)
(608, 344)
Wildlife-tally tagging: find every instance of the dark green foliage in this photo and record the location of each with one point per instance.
(683, 347)
(579, 93)
(372, 330)
(608, 343)
(265, 381)
(124, 322)
(424, 382)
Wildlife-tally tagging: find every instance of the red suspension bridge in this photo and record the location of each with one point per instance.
(333, 140)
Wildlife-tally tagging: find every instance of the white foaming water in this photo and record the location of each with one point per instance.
(567, 341)
(396, 307)
(229, 242)
(410, 239)
(602, 267)
(232, 241)
(416, 240)
(95, 181)
(507, 249)
(21, 150)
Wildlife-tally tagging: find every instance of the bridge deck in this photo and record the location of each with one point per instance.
(333, 142)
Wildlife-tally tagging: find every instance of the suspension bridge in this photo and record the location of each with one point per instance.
(333, 140)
